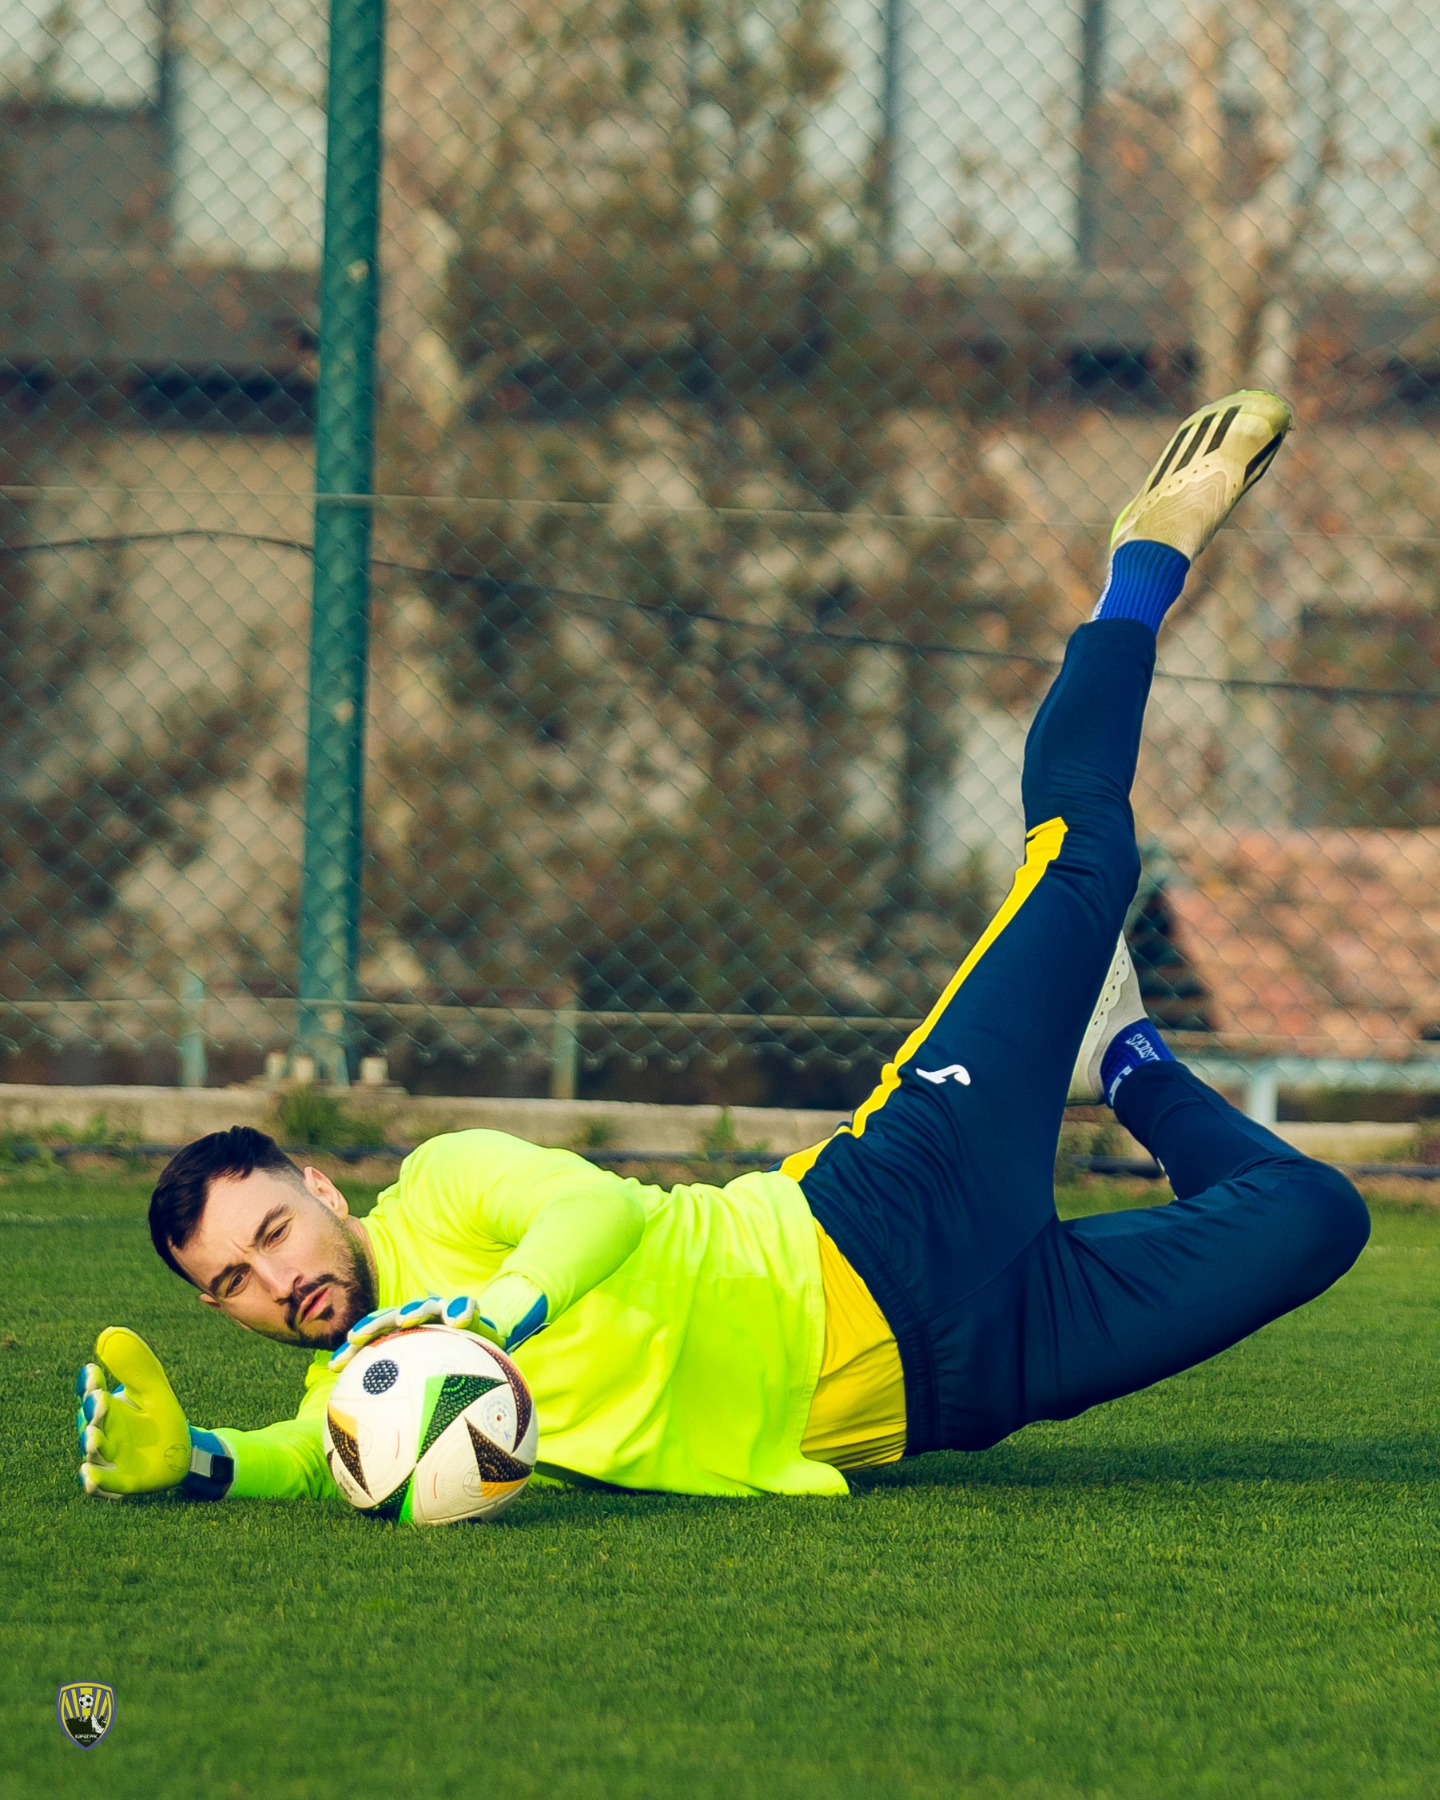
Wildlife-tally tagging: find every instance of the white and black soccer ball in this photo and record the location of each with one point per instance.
(431, 1426)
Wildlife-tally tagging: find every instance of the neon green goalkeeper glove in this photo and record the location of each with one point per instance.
(511, 1309)
(134, 1437)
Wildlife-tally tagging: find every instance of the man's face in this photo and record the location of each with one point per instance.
(282, 1259)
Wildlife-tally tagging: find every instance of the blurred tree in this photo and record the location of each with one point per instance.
(1245, 249)
(660, 443)
(1247, 229)
(1240, 132)
(1368, 762)
(624, 742)
(1215, 152)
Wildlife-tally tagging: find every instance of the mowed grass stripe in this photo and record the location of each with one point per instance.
(1226, 1585)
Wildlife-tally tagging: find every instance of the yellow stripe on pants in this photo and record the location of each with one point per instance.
(1042, 846)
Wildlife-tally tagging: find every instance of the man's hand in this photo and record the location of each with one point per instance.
(510, 1310)
(134, 1438)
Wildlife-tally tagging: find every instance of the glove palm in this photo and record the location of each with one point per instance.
(134, 1437)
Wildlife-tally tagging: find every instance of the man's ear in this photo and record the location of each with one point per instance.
(325, 1191)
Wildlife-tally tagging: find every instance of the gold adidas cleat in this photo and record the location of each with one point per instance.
(1216, 456)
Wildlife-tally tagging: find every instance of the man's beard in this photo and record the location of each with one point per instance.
(352, 1296)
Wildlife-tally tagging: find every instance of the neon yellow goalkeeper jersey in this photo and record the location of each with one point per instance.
(686, 1325)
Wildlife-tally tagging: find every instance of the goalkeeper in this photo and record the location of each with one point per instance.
(905, 1286)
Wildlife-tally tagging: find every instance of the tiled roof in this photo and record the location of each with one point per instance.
(1327, 936)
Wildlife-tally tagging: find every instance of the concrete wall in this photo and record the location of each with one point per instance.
(173, 1116)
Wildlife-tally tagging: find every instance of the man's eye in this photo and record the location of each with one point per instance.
(233, 1286)
(277, 1235)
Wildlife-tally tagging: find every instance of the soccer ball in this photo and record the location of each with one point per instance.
(430, 1426)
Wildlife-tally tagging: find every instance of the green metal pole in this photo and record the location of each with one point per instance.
(344, 479)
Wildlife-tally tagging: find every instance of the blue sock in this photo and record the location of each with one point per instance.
(1137, 1044)
(1145, 582)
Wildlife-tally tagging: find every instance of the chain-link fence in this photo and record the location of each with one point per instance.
(756, 386)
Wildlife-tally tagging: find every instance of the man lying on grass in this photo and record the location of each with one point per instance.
(905, 1286)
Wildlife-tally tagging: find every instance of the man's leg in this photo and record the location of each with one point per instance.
(945, 1176)
(946, 1173)
(980, 1088)
(972, 1103)
(1121, 1300)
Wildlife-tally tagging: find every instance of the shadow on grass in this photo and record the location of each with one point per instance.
(1394, 1462)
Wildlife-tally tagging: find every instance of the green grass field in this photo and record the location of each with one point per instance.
(1227, 1586)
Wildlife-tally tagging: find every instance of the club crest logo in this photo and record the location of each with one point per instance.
(87, 1711)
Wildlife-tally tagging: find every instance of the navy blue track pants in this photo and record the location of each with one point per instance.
(941, 1192)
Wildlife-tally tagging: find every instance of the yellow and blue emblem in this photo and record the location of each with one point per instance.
(87, 1711)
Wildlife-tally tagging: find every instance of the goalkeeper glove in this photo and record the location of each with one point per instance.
(134, 1438)
(511, 1309)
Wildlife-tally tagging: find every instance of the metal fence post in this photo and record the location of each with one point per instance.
(886, 170)
(1262, 1094)
(1090, 176)
(565, 1052)
(344, 478)
(193, 1070)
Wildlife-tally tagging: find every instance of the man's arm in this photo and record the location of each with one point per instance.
(570, 1224)
(286, 1460)
(135, 1438)
(566, 1224)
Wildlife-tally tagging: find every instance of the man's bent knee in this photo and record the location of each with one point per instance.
(1105, 872)
(1330, 1223)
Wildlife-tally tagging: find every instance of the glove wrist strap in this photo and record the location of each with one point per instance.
(212, 1467)
(533, 1321)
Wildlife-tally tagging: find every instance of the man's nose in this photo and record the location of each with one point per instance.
(280, 1279)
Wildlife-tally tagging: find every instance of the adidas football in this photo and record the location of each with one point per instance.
(430, 1426)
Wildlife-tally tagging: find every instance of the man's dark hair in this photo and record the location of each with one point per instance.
(184, 1186)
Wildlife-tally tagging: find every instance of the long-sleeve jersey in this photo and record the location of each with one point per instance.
(686, 1325)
